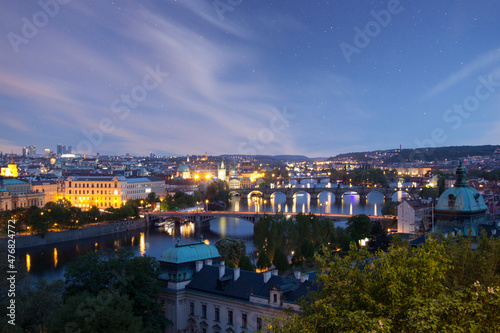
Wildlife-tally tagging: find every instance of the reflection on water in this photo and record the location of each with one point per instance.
(142, 244)
(55, 257)
(325, 203)
(150, 241)
(49, 262)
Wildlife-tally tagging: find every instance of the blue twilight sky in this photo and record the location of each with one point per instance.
(250, 77)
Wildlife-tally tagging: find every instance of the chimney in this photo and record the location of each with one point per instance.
(222, 269)
(208, 262)
(236, 273)
(296, 274)
(274, 272)
(304, 278)
(267, 276)
(199, 265)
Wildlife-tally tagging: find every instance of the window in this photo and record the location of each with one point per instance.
(275, 298)
(204, 311)
(217, 314)
(191, 308)
(259, 323)
(69, 191)
(230, 317)
(244, 320)
(69, 184)
(451, 200)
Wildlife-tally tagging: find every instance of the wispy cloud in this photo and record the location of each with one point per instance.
(474, 68)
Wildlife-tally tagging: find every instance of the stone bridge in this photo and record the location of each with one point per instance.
(203, 218)
(290, 192)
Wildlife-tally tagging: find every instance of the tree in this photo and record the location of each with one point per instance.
(307, 249)
(39, 221)
(105, 312)
(443, 285)
(280, 261)
(246, 264)
(231, 249)
(151, 198)
(359, 227)
(429, 192)
(122, 273)
(263, 261)
(389, 207)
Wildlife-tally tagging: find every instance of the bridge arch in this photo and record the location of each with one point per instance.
(326, 196)
(255, 193)
(400, 195)
(300, 193)
(235, 193)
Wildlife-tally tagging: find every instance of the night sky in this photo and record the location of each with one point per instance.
(248, 77)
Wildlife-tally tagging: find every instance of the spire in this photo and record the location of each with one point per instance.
(12, 159)
(461, 172)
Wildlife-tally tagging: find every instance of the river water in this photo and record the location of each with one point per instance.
(49, 262)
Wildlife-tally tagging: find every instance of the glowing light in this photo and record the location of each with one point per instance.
(55, 257)
(142, 245)
(196, 176)
(206, 241)
(207, 176)
(28, 262)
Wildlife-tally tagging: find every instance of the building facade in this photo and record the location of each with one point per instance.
(200, 294)
(15, 193)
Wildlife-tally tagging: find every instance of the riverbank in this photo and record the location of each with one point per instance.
(94, 230)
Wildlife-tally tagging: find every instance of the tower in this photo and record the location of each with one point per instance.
(221, 172)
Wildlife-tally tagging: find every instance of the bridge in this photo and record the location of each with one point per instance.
(203, 218)
(314, 192)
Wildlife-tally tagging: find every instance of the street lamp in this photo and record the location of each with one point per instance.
(206, 205)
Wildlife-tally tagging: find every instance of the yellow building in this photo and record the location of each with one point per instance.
(10, 170)
(110, 191)
(53, 189)
(100, 191)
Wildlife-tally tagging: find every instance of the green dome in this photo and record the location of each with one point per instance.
(189, 253)
(183, 168)
(461, 197)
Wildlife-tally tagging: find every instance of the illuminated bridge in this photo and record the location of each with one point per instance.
(291, 192)
(203, 218)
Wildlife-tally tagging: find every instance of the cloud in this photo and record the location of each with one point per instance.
(491, 58)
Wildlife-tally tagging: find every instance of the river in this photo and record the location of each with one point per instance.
(49, 262)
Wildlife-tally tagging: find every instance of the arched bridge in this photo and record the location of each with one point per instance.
(203, 218)
(290, 192)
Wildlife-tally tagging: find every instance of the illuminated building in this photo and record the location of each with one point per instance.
(10, 170)
(183, 172)
(100, 191)
(110, 191)
(221, 172)
(52, 189)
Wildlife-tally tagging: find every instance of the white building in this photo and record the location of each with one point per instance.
(201, 295)
(412, 214)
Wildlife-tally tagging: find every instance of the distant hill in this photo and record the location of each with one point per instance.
(276, 157)
(426, 154)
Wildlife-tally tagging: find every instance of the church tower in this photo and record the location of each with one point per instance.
(221, 172)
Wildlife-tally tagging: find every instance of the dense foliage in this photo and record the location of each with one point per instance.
(444, 285)
(231, 249)
(180, 200)
(61, 215)
(102, 293)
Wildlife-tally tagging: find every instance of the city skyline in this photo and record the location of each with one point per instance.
(236, 77)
